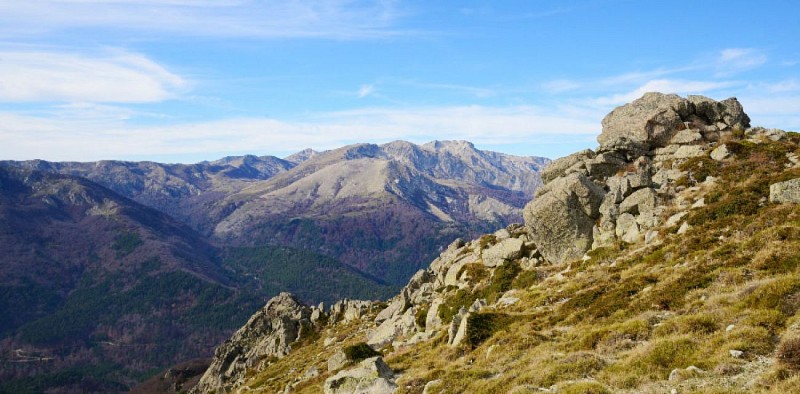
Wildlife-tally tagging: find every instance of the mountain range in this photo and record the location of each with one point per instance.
(112, 270)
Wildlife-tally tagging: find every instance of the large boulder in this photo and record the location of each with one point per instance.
(644, 124)
(561, 219)
(657, 119)
(371, 376)
(269, 333)
(785, 192)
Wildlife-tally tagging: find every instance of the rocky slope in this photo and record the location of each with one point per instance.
(667, 261)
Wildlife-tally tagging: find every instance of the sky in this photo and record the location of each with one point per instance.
(192, 80)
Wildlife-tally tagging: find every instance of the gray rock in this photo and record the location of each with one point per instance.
(393, 328)
(461, 332)
(627, 229)
(736, 353)
(721, 153)
(684, 228)
(430, 386)
(686, 137)
(337, 361)
(371, 376)
(270, 332)
(675, 219)
(646, 123)
(452, 276)
(561, 220)
(728, 111)
(455, 325)
(507, 249)
(560, 166)
(605, 165)
(689, 151)
(785, 192)
(348, 310)
(639, 202)
(432, 319)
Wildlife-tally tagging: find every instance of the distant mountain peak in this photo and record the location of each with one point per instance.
(299, 157)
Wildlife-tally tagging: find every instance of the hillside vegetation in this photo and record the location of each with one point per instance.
(704, 298)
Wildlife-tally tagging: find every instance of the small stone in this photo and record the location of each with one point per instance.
(736, 353)
(650, 236)
(431, 385)
(721, 153)
(675, 219)
(684, 228)
(699, 203)
(730, 328)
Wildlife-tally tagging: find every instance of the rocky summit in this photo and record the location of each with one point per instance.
(666, 260)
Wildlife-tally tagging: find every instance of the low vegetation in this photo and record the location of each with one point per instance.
(723, 298)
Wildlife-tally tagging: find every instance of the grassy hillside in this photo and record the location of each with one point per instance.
(722, 297)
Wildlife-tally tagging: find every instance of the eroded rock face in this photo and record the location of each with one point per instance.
(593, 199)
(269, 333)
(654, 119)
(562, 218)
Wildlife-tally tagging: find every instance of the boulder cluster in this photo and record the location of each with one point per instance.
(595, 198)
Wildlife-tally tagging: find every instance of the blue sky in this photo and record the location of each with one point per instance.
(191, 80)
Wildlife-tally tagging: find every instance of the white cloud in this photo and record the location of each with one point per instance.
(735, 60)
(112, 77)
(365, 90)
(29, 137)
(219, 18)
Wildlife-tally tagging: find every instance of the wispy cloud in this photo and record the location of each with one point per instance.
(734, 60)
(561, 85)
(338, 19)
(365, 90)
(113, 76)
(27, 137)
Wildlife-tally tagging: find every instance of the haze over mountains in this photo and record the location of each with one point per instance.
(114, 269)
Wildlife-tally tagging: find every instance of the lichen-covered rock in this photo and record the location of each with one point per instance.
(644, 124)
(269, 333)
(656, 120)
(371, 376)
(785, 192)
(348, 310)
(561, 219)
(559, 167)
(507, 249)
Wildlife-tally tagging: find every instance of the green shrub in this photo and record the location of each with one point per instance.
(788, 353)
(359, 351)
(482, 326)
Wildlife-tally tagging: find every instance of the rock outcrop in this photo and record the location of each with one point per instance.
(268, 334)
(371, 376)
(593, 199)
